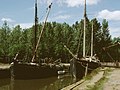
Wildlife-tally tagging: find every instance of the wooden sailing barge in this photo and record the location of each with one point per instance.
(81, 66)
(33, 70)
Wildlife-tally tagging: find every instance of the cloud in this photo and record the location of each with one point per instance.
(59, 13)
(115, 31)
(7, 19)
(59, 16)
(113, 17)
(62, 17)
(45, 1)
(109, 15)
(77, 3)
(25, 25)
(70, 3)
(49, 1)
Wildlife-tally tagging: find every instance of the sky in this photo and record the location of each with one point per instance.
(21, 12)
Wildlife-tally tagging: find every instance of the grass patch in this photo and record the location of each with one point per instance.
(94, 72)
(99, 85)
(106, 72)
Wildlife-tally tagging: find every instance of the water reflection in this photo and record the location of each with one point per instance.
(4, 84)
(54, 83)
(37, 84)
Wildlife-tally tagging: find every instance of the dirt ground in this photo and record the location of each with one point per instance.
(113, 82)
(83, 84)
(89, 83)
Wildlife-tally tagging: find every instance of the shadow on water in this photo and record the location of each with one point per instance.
(4, 84)
(54, 83)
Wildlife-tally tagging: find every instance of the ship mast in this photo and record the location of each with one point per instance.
(84, 29)
(84, 35)
(40, 35)
(92, 40)
(35, 29)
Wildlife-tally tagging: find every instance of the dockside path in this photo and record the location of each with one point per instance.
(113, 82)
(105, 79)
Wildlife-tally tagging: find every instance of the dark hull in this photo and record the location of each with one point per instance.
(28, 71)
(78, 67)
(4, 73)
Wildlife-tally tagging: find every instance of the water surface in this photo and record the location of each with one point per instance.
(53, 83)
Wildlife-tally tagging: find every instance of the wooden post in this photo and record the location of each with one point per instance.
(86, 69)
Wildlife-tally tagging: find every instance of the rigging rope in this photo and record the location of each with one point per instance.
(39, 39)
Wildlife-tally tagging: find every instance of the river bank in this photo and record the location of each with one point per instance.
(4, 71)
(100, 79)
(4, 66)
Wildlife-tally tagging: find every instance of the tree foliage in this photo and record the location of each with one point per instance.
(55, 36)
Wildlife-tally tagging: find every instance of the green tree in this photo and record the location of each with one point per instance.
(105, 40)
(4, 42)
